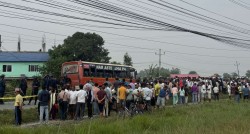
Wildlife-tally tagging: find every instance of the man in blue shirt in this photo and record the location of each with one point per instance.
(161, 97)
(245, 91)
(44, 98)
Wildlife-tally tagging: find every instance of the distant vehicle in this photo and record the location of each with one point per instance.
(80, 72)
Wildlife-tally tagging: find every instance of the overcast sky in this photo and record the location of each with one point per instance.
(216, 57)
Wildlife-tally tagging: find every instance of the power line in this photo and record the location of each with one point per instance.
(214, 13)
(215, 37)
(183, 21)
(14, 6)
(228, 40)
(21, 34)
(192, 54)
(244, 2)
(60, 5)
(134, 38)
(59, 22)
(206, 48)
(240, 4)
(200, 16)
(162, 42)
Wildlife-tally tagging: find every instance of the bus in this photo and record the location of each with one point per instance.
(80, 72)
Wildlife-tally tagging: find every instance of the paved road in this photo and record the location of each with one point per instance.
(10, 105)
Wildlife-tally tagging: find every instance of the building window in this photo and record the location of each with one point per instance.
(33, 68)
(7, 68)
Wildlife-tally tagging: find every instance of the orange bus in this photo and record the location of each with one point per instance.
(80, 72)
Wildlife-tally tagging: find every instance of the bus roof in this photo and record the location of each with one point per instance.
(100, 63)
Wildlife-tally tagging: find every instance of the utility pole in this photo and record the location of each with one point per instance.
(19, 44)
(160, 54)
(0, 43)
(44, 43)
(237, 65)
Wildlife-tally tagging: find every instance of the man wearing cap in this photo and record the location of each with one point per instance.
(2, 88)
(18, 107)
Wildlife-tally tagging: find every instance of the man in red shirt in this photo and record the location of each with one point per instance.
(101, 95)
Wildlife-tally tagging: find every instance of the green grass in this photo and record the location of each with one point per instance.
(7, 116)
(209, 118)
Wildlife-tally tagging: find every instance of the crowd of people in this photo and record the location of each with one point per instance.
(100, 100)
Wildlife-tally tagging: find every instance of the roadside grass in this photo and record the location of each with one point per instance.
(225, 117)
(7, 117)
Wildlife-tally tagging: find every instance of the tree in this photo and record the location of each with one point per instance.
(226, 76)
(216, 75)
(152, 72)
(127, 60)
(79, 46)
(175, 71)
(248, 73)
(53, 66)
(192, 72)
(234, 75)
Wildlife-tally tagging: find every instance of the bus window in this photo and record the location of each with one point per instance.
(120, 74)
(128, 74)
(117, 74)
(108, 73)
(86, 73)
(123, 74)
(99, 73)
(92, 72)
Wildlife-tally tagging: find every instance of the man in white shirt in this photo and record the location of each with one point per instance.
(209, 91)
(107, 106)
(216, 93)
(147, 94)
(72, 103)
(80, 104)
(203, 91)
(136, 92)
(229, 90)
